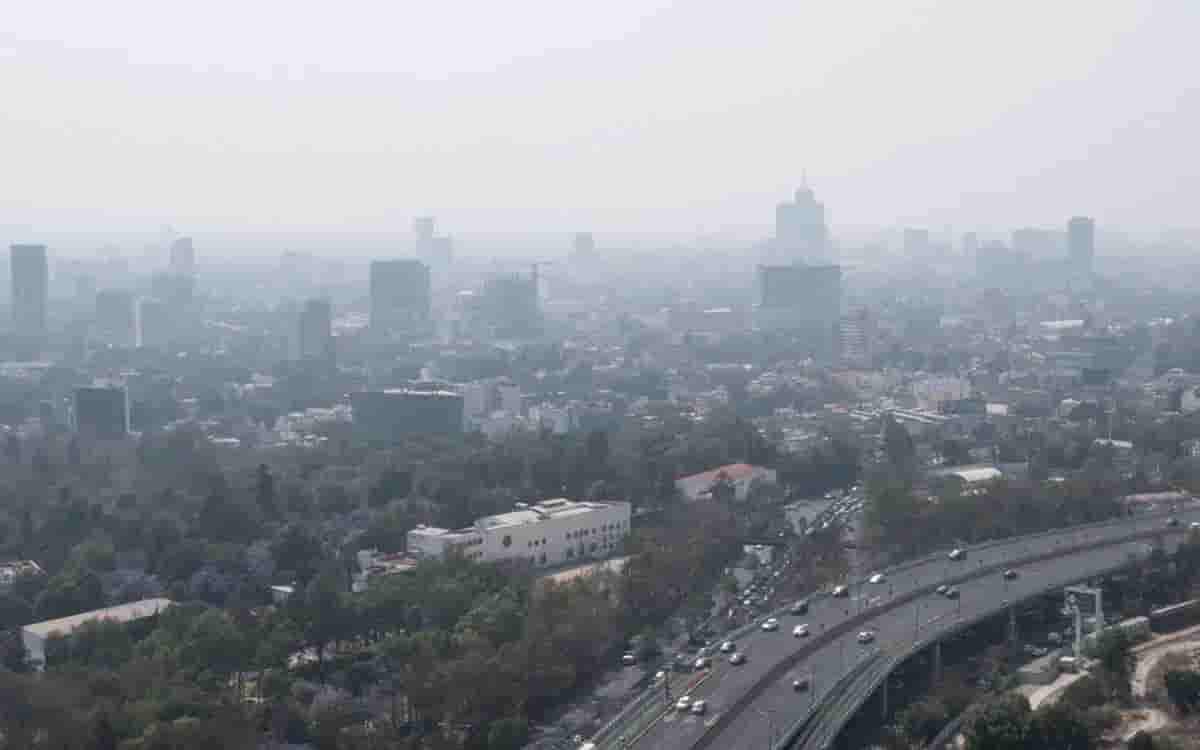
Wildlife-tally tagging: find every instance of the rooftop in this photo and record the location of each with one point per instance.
(556, 508)
(733, 472)
(120, 613)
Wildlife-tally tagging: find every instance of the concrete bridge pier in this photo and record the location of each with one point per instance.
(884, 697)
(1012, 625)
(937, 661)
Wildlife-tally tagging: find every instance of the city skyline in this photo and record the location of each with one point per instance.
(683, 136)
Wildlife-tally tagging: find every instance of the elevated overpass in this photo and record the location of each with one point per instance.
(754, 705)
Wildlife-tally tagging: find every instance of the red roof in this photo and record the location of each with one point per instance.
(733, 472)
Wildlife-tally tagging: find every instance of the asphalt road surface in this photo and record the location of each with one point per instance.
(764, 721)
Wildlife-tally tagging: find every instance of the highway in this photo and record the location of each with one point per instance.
(753, 705)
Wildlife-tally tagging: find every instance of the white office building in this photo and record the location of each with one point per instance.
(552, 532)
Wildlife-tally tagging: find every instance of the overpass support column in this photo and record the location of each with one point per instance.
(1012, 625)
(937, 661)
(884, 696)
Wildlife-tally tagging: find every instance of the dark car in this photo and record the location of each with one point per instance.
(951, 593)
(841, 592)
(1010, 574)
(800, 607)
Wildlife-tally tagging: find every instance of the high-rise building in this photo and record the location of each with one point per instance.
(803, 302)
(1038, 243)
(917, 243)
(154, 324)
(1081, 242)
(30, 288)
(508, 307)
(183, 257)
(116, 318)
(392, 414)
(401, 297)
(583, 247)
(316, 331)
(423, 229)
(800, 231)
(102, 412)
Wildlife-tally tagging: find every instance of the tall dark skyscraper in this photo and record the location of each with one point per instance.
(183, 257)
(316, 331)
(801, 234)
(1081, 242)
(102, 412)
(30, 288)
(804, 302)
(116, 318)
(401, 297)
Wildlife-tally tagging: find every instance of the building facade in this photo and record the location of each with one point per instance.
(401, 297)
(801, 235)
(549, 533)
(316, 331)
(116, 318)
(1081, 243)
(392, 414)
(102, 412)
(30, 289)
(804, 302)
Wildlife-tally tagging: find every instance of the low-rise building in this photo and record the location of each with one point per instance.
(741, 476)
(552, 532)
(35, 636)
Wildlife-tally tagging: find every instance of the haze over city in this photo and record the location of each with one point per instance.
(291, 126)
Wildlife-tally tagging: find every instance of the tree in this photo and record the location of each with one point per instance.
(1183, 688)
(1057, 727)
(299, 553)
(1112, 650)
(14, 612)
(508, 734)
(1004, 724)
(264, 491)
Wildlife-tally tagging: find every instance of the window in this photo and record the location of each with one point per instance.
(507, 540)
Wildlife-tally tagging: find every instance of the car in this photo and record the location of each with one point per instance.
(951, 593)
(727, 647)
(770, 625)
(628, 660)
(699, 707)
(866, 636)
(957, 554)
(660, 675)
(1194, 525)
(1010, 574)
(841, 592)
(684, 703)
(1172, 522)
(703, 663)
(737, 658)
(800, 684)
(877, 578)
(800, 631)
(943, 589)
(800, 607)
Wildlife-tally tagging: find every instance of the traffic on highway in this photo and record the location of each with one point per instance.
(753, 694)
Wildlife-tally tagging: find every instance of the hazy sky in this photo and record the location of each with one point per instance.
(270, 125)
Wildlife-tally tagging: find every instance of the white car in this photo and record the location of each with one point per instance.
(800, 684)
(703, 663)
(866, 636)
(683, 704)
(800, 631)
(958, 554)
(737, 658)
(770, 624)
(699, 707)
(877, 578)
(727, 647)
